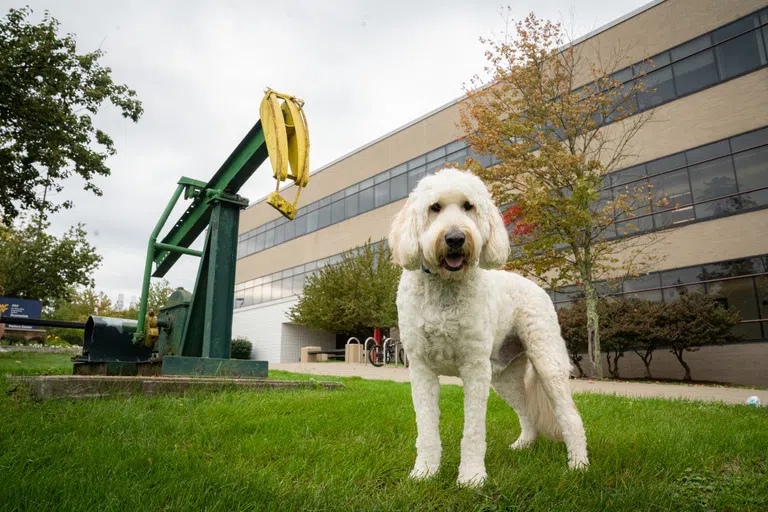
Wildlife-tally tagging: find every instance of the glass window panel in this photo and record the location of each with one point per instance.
(733, 268)
(435, 154)
(666, 164)
(277, 290)
(752, 173)
(762, 297)
(672, 294)
(337, 196)
(335, 259)
(308, 267)
(323, 217)
(421, 160)
(311, 207)
(691, 47)
(247, 298)
(740, 55)
(290, 230)
(266, 279)
(414, 176)
(287, 273)
(259, 242)
(354, 189)
(266, 292)
(367, 183)
(365, 200)
(381, 177)
(350, 206)
(381, 194)
(436, 165)
(623, 75)
(682, 276)
(399, 187)
(710, 180)
(739, 293)
(298, 284)
(269, 240)
(642, 282)
(261, 229)
(301, 226)
(323, 202)
(279, 234)
(337, 211)
(459, 157)
(659, 88)
(400, 169)
(455, 146)
(629, 174)
(312, 221)
(695, 72)
(671, 193)
(270, 225)
(627, 103)
(708, 152)
(749, 140)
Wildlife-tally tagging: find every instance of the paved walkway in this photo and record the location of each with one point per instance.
(637, 389)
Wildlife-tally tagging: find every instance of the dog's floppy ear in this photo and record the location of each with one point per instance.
(404, 238)
(496, 249)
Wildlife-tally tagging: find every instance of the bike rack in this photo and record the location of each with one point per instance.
(357, 341)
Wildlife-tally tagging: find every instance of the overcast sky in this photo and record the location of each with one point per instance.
(364, 68)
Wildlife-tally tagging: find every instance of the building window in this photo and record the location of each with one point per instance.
(695, 72)
(337, 211)
(323, 217)
(366, 200)
(752, 173)
(710, 180)
(381, 194)
(740, 54)
(659, 88)
(399, 187)
(350, 205)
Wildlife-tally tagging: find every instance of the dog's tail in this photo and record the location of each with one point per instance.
(539, 406)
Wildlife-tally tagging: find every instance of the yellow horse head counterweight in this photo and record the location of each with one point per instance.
(287, 139)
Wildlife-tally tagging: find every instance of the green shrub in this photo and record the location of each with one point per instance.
(240, 348)
(16, 339)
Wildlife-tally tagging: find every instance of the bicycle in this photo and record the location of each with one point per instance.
(384, 353)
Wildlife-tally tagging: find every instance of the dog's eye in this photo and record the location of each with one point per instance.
(468, 206)
(436, 207)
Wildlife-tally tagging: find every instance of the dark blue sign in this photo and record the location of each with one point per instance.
(20, 308)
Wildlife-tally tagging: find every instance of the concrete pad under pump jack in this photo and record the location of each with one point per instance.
(97, 386)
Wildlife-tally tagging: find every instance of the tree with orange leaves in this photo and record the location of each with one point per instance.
(558, 119)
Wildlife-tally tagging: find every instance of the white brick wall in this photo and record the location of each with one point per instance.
(275, 339)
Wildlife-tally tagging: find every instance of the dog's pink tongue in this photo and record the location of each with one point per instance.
(454, 261)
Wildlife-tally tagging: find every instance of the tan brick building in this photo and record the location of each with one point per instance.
(707, 149)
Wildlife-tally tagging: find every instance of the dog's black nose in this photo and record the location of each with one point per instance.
(455, 238)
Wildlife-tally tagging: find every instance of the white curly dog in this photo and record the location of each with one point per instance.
(488, 327)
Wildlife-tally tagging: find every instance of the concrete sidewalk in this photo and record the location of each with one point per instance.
(636, 389)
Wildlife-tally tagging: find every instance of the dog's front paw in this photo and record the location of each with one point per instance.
(423, 470)
(472, 477)
(578, 463)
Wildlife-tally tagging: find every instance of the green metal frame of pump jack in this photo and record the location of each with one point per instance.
(193, 331)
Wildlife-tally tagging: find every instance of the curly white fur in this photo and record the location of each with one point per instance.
(489, 327)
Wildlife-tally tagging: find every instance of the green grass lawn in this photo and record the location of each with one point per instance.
(352, 450)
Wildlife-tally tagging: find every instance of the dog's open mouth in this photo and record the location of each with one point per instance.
(453, 261)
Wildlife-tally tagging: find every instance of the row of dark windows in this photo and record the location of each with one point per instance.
(742, 283)
(725, 53)
(283, 284)
(722, 178)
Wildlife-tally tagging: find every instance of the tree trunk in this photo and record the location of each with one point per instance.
(679, 356)
(647, 358)
(593, 330)
(576, 362)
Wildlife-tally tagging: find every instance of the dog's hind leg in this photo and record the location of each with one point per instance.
(546, 350)
(510, 386)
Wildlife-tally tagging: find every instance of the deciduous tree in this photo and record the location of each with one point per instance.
(49, 94)
(695, 320)
(354, 295)
(555, 141)
(36, 265)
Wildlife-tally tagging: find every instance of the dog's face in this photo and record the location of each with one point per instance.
(449, 224)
